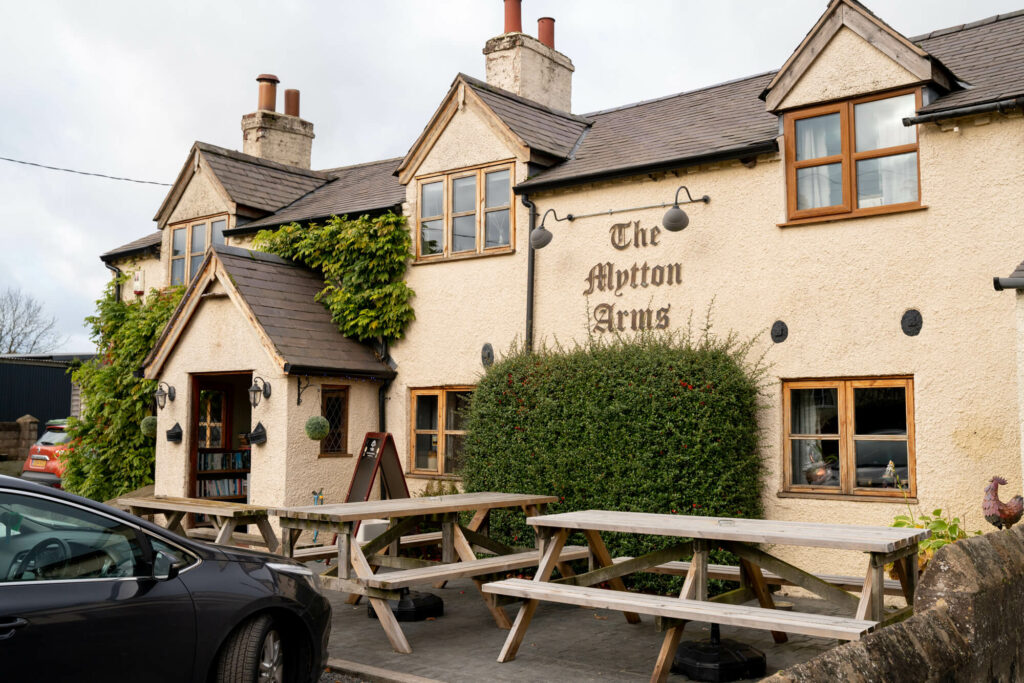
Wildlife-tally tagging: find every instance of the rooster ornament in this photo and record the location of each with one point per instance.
(1001, 515)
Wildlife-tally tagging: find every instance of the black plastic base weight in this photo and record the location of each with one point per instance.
(412, 606)
(718, 660)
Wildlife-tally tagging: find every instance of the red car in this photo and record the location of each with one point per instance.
(43, 465)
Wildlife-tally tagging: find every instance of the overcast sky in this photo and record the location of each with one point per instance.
(124, 88)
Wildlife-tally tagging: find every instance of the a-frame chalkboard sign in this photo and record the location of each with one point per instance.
(377, 454)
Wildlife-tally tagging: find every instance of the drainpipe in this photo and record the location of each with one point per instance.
(529, 271)
(382, 392)
(1002, 105)
(117, 274)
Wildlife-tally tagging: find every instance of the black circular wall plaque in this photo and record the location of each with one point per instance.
(487, 355)
(912, 322)
(779, 332)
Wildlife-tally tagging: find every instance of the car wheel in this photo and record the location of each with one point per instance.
(254, 653)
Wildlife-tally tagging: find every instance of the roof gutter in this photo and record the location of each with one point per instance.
(736, 153)
(314, 370)
(1000, 106)
(117, 276)
(1001, 283)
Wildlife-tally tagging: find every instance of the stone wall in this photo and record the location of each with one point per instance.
(966, 625)
(16, 438)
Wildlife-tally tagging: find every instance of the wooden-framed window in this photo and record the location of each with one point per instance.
(853, 158)
(438, 429)
(841, 434)
(464, 213)
(212, 426)
(334, 407)
(189, 242)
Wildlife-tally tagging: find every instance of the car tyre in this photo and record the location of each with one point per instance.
(254, 653)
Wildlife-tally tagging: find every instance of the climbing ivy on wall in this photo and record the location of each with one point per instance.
(363, 262)
(657, 423)
(109, 454)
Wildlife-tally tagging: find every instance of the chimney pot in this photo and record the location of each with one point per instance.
(291, 102)
(546, 31)
(268, 92)
(513, 16)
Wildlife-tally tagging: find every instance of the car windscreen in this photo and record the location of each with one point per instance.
(52, 438)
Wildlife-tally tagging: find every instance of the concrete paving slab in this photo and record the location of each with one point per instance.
(564, 643)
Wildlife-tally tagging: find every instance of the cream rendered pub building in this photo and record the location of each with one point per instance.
(859, 202)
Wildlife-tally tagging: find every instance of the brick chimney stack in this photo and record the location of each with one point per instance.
(529, 67)
(284, 138)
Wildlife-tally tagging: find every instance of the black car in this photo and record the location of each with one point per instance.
(89, 593)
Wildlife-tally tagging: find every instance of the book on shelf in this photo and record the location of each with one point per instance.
(219, 488)
(223, 460)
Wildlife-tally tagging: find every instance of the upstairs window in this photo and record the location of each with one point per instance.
(853, 158)
(189, 242)
(466, 213)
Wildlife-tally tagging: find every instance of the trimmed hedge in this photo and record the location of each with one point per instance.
(658, 423)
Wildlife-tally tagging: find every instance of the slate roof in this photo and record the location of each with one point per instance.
(726, 120)
(988, 55)
(542, 128)
(281, 295)
(259, 183)
(150, 241)
(352, 190)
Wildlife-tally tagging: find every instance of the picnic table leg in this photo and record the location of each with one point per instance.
(695, 587)
(754, 580)
(173, 522)
(267, 531)
(289, 537)
(553, 548)
(465, 550)
(873, 594)
(384, 614)
(227, 527)
(604, 559)
(906, 572)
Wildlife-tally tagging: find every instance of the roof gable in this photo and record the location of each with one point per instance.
(247, 183)
(532, 131)
(278, 298)
(854, 16)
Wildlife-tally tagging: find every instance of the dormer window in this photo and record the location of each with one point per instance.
(466, 213)
(852, 158)
(189, 242)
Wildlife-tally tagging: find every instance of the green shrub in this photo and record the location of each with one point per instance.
(148, 426)
(110, 455)
(659, 423)
(317, 427)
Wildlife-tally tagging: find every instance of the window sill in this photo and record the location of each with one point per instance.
(423, 261)
(334, 455)
(863, 213)
(847, 497)
(428, 475)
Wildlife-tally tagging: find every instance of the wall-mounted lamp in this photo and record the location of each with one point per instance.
(161, 395)
(259, 435)
(541, 236)
(675, 218)
(174, 433)
(259, 386)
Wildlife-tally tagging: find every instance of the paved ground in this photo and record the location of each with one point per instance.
(564, 643)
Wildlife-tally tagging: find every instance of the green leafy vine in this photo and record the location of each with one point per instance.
(363, 262)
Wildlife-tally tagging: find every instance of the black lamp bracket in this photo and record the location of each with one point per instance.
(689, 197)
(298, 399)
(568, 217)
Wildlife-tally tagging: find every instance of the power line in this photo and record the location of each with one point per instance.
(71, 170)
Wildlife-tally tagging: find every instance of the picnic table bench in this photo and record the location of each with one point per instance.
(882, 544)
(225, 516)
(357, 562)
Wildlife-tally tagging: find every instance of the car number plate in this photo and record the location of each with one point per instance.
(38, 463)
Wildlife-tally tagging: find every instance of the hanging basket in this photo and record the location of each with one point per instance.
(148, 426)
(317, 428)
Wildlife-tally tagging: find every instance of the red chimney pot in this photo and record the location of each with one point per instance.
(268, 91)
(291, 102)
(546, 31)
(513, 16)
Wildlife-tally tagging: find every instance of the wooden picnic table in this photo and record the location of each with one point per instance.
(225, 516)
(354, 572)
(883, 545)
